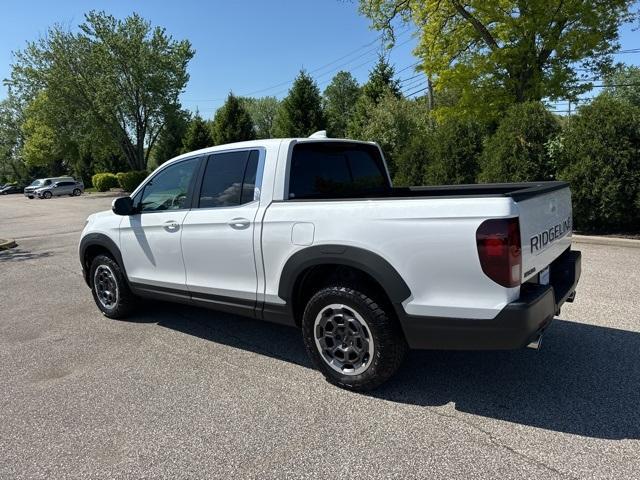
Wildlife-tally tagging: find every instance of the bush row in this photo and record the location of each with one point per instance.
(128, 181)
(596, 150)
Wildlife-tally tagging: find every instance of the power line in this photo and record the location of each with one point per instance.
(412, 85)
(367, 52)
(417, 91)
(402, 80)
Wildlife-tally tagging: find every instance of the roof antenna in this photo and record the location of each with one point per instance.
(319, 134)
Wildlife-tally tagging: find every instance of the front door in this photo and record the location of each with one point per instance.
(150, 239)
(218, 235)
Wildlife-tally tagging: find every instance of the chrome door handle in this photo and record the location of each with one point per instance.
(239, 223)
(171, 226)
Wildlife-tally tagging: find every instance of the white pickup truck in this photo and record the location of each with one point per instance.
(311, 233)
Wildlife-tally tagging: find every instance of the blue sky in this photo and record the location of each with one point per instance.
(250, 47)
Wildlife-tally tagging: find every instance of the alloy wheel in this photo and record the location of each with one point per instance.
(343, 339)
(106, 286)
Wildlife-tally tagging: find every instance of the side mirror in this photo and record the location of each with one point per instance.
(123, 206)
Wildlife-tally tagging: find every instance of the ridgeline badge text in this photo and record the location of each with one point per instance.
(542, 239)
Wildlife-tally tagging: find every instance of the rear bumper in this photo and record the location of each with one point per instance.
(515, 326)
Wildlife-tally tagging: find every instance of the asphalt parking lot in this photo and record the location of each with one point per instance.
(180, 392)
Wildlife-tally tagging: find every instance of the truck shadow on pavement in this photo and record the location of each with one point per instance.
(585, 380)
(17, 254)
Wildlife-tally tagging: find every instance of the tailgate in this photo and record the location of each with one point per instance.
(545, 229)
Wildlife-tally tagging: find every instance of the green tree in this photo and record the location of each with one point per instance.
(122, 77)
(169, 142)
(392, 122)
(598, 154)
(300, 112)
(624, 83)
(232, 123)
(455, 146)
(381, 80)
(41, 147)
(197, 136)
(380, 84)
(340, 98)
(497, 53)
(517, 152)
(263, 113)
(12, 167)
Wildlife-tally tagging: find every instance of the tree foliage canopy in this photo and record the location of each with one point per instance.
(517, 152)
(300, 113)
(500, 52)
(598, 154)
(232, 122)
(340, 99)
(121, 77)
(263, 112)
(624, 84)
(197, 136)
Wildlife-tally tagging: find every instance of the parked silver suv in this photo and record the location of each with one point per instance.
(30, 191)
(65, 187)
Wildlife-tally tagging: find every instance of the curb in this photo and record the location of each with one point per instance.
(612, 241)
(6, 244)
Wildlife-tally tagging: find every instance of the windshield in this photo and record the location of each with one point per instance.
(36, 183)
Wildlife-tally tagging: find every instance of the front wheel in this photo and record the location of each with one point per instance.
(46, 195)
(109, 288)
(77, 192)
(352, 339)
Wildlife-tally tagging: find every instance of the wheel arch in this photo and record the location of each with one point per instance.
(94, 244)
(376, 268)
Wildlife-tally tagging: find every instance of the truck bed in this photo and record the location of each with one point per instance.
(517, 191)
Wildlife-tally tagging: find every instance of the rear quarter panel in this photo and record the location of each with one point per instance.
(430, 242)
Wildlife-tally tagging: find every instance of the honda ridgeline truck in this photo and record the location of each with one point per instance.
(311, 233)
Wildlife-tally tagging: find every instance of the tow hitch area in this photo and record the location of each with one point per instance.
(536, 344)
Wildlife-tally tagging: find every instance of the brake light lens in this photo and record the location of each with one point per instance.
(500, 251)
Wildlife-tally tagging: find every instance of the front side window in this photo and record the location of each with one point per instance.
(229, 179)
(168, 190)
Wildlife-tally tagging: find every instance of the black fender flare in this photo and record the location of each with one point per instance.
(102, 240)
(371, 263)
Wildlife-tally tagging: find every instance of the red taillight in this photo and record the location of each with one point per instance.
(499, 250)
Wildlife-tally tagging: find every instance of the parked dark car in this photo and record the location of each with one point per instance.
(7, 189)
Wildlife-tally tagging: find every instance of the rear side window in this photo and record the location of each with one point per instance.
(229, 179)
(336, 170)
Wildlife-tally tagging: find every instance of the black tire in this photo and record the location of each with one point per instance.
(77, 192)
(47, 195)
(123, 301)
(384, 332)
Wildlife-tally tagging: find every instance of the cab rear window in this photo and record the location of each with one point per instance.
(326, 170)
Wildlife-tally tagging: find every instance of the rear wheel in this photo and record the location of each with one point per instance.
(352, 339)
(109, 288)
(77, 192)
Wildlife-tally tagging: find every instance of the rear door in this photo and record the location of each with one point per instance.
(218, 233)
(545, 229)
(64, 188)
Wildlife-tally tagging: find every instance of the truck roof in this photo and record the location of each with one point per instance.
(267, 142)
